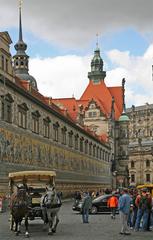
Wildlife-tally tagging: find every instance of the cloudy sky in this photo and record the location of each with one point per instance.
(61, 38)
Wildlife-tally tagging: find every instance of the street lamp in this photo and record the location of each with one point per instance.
(114, 179)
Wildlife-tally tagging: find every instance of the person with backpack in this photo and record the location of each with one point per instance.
(143, 203)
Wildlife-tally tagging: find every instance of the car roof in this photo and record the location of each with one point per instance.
(104, 196)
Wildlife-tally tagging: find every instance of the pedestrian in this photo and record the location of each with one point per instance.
(135, 208)
(86, 206)
(124, 208)
(144, 206)
(149, 197)
(112, 203)
(77, 197)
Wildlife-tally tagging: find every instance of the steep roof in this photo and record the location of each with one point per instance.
(117, 92)
(103, 95)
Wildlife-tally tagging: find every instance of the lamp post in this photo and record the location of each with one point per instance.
(114, 179)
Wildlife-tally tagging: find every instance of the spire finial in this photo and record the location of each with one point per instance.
(20, 4)
(123, 87)
(97, 36)
(20, 22)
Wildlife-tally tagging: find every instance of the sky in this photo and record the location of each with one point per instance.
(61, 38)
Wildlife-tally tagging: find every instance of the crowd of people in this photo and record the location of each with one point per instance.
(135, 208)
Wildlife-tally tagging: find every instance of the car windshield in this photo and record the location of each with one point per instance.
(100, 198)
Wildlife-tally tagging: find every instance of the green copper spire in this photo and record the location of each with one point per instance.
(97, 74)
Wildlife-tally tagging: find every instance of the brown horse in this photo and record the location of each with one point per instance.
(19, 207)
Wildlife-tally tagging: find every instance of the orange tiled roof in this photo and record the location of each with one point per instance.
(101, 93)
(69, 104)
(117, 93)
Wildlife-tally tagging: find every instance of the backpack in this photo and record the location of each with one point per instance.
(143, 204)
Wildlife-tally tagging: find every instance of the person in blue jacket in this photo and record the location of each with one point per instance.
(124, 209)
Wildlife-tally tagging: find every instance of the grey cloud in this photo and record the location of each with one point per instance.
(75, 23)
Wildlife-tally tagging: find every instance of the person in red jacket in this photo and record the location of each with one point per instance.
(112, 203)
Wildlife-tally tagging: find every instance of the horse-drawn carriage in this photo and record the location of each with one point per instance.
(29, 191)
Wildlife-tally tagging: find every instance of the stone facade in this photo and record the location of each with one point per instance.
(140, 144)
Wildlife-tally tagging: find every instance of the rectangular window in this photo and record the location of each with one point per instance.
(86, 147)
(81, 145)
(55, 132)
(6, 113)
(94, 151)
(90, 149)
(6, 65)
(2, 62)
(35, 124)
(147, 177)
(22, 118)
(76, 142)
(2, 116)
(70, 139)
(132, 178)
(46, 128)
(63, 136)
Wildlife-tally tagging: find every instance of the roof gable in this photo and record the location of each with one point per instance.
(6, 37)
(101, 93)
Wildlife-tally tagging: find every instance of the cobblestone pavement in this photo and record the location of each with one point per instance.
(101, 227)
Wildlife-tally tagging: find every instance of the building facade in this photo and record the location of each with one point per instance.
(140, 144)
(36, 134)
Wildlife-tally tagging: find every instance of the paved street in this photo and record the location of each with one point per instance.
(101, 227)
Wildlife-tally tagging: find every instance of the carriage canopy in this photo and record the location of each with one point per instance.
(32, 178)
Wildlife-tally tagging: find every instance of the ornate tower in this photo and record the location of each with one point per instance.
(97, 74)
(21, 59)
(123, 143)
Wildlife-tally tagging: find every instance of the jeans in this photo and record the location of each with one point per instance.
(142, 214)
(135, 210)
(130, 216)
(85, 215)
